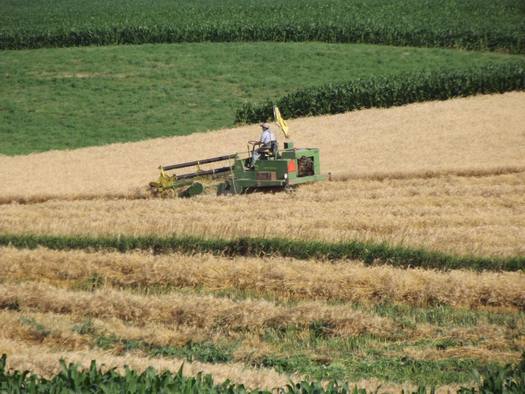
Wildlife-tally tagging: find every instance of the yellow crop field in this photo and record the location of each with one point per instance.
(430, 179)
(457, 214)
(52, 307)
(458, 135)
(277, 278)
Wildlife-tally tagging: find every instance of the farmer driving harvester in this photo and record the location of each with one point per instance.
(274, 169)
(267, 143)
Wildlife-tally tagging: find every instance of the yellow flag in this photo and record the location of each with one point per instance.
(280, 121)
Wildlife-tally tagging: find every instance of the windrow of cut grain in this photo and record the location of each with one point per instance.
(482, 133)
(486, 333)
(277, 278)
(200, 311)
(481, 216)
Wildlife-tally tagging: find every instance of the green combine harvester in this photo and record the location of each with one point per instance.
(274, 170)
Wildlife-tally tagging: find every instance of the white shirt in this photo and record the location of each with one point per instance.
(267, 137)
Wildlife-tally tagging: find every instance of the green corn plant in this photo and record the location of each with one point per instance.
(388, 91)
(476, 24)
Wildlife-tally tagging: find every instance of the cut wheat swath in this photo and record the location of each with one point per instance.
(458, 215)
(280, 278)
(204, 312)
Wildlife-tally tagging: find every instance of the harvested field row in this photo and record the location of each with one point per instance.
(203, 312)
(480, 216)
(63, 331)
(483, 342)
(211, 316)
(469, 134)
(277, 278)
(367, 252)
(376, 176)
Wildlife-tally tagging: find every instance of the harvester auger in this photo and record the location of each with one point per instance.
(274, 170)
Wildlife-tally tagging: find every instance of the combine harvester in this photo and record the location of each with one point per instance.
(274, 170)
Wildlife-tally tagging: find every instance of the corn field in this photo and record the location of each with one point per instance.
(471, 24)
(388, 91)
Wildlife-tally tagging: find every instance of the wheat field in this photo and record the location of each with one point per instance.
(465, 135)
(468, 215)
(445, 176)
(58, 310)
(276, 278)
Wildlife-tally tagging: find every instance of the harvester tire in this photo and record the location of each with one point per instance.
(224, 189)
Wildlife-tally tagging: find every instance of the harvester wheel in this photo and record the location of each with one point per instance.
(289, 189)
(224, 189)
(168, 193)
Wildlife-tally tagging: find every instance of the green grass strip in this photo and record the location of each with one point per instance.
(369, 253)
(390, 90)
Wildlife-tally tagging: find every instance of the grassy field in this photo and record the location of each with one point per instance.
(479, 24)
(75, 97)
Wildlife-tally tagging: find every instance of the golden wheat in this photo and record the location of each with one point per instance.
(461, 352)
(281, 278)
(212, 316)
(461, 215)
(466, 134)
(190, 310)
(60, 332)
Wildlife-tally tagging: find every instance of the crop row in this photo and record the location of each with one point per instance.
(368, 252)
(298, 280)
(388, 91)
(509, 379)
(472, 24)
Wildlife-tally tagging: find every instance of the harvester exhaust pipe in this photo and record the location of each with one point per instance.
(198, 162)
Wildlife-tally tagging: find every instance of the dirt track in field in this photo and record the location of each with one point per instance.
(481, 134)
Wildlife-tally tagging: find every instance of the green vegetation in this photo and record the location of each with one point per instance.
(369, 253)
(93, 380)
(75, 97)
(471, 24)
(388, 91)
(495, 379)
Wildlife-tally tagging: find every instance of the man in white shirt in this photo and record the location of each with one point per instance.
(267, 142)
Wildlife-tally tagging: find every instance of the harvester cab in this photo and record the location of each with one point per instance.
(274, 170)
